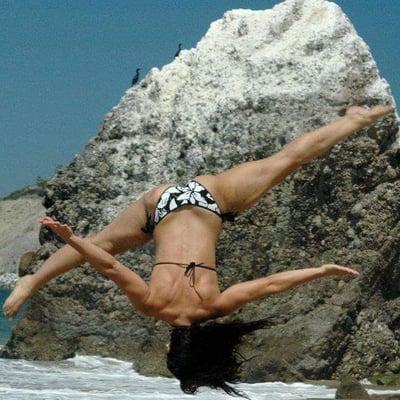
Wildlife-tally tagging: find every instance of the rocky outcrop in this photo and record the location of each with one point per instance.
(387, 379)
(350, 388)
(8, 280)
(256, 80)
(19, 228)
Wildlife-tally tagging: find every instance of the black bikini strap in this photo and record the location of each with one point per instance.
(189, 266)
(190, 270)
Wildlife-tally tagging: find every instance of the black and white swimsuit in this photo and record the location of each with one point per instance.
(193, 193)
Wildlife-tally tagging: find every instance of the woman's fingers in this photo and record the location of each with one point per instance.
(49, 220)
(334, 269)
(53, 224)
(50, 223)
(351, 271)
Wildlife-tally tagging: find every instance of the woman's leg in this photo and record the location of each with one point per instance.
(240, 187)
(119, 236)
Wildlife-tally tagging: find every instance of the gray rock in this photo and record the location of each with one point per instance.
(256, 80)
(19, 228)
(8, 280)
(350, 388)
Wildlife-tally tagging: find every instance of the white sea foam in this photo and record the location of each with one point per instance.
(84, 377)
(97, 378)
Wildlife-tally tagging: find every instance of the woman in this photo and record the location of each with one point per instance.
(185, 222)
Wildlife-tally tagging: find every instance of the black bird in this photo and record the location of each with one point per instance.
(179, 50)
(136, 77)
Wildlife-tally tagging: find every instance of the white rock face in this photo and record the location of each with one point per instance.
(256, 80)
(19, 230)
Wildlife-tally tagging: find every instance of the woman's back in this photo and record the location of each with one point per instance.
(187, 234)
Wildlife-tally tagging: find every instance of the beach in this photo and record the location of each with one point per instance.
(99, 378)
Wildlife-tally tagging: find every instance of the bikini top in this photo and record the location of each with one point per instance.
(193, 193)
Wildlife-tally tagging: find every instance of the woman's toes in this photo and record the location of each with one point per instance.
(21, 293)
(6, 311)
(365, 115)
(380, 111)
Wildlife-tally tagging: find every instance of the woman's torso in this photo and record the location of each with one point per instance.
(187, 234)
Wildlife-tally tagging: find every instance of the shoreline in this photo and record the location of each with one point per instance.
(7, 282)
(334, 384)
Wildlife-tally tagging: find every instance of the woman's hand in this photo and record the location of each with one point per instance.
(333, 269)
(62, 230)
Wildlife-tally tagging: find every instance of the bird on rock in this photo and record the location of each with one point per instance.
(136, 77)
(179, 50)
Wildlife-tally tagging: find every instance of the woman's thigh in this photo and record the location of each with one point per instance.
(240, 187)
(124, 232)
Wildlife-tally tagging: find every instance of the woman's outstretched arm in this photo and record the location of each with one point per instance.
(129, 281)
(238, 295)
(122, 234)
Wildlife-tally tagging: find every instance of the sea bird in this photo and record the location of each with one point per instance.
(136, 77)
(179, 50)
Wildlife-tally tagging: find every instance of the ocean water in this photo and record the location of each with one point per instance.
(5, 325)
(99, 378)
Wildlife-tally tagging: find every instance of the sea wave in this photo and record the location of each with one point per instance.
(94, 377)
(103, 378)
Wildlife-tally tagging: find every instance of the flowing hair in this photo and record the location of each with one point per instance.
(206, 354)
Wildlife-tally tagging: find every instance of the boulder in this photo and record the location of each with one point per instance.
(350, 388)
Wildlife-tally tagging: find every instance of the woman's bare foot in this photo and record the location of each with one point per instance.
(22, 292)
(366, 116)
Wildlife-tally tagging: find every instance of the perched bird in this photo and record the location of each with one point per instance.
(179, 50)
(136, 77)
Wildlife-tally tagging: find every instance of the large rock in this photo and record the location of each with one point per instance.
(256, 80)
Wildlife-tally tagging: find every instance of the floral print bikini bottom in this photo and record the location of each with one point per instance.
(193, 193)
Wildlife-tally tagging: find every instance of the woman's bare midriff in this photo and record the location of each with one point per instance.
(187, 234)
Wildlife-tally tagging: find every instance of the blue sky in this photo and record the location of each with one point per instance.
(64, 64)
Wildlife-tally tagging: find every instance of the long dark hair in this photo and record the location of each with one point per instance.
(205, 354)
